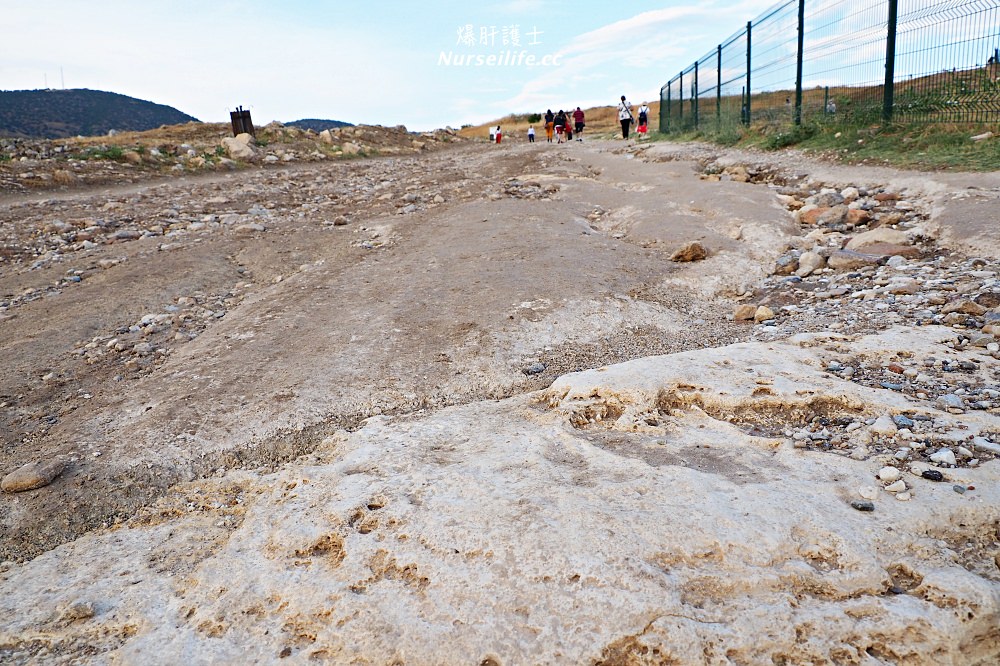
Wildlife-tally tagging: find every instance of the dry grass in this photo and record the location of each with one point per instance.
(200, 133)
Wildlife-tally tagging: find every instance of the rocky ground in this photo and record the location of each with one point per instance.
(499, 404)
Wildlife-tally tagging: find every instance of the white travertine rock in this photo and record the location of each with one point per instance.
(623, 509)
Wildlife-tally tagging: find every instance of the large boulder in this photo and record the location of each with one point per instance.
(241, 147)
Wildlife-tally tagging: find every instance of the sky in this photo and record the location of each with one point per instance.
(424, 65)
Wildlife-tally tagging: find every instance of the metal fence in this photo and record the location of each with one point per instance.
(848, 60)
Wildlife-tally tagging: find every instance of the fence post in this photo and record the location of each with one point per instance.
(664, 105)
(798, 63)
(694, 97)
(746, 119)
(680, 102)
(669, 89)
(718, 89)
(826, 101)
(890, 64)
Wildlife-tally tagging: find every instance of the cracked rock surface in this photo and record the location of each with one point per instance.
(463, 408)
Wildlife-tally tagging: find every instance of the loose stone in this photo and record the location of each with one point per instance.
(33, 475)
(897, 487)
(932, 475)
(889, 474)
(944, 456)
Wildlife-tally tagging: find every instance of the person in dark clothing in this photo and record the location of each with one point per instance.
(550, 124)
(578, 121)
(560, 125)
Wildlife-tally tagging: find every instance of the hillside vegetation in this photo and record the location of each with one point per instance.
(317, 125)
(55, 114)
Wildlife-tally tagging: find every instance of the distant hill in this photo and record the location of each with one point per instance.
(317, 125)
(54, 114)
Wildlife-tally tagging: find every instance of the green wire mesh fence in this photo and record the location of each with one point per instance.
(850, 60)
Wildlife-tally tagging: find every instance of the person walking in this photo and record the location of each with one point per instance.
(625, 116)
(531, 134)
(643, 120)
(550, 124)
(578, 122)
(560, 125)
(499, 134)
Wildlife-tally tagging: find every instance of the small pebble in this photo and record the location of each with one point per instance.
(902, 421)
(868, 492)
(932, 475)
(889, 474)
(896, 487)
(861, 505)
(959, 489)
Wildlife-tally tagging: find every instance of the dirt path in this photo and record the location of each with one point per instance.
(234, 320)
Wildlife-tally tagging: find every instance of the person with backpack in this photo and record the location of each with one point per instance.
(550, 124)
(643, 120)
(625, 116)
(560, 125)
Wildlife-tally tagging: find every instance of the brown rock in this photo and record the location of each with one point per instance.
(875, 236)
(693, 251)
(33, 475)
(63, 177)
(891, 250)
(886, 196)
(833, 216)
(812, 217)
(964, 306)
(763, 313)
(992, 329)
(744, 312)
(737, 173)
(849, 260)
(786, 264)
(856, 217)
(988, 300)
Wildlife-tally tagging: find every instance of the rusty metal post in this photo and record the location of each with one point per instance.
(241, 122)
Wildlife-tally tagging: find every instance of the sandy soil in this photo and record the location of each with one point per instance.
(443, 309)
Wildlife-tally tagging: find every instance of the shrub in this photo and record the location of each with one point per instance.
(790, 137)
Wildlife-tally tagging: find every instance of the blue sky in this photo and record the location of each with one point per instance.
(387, 63)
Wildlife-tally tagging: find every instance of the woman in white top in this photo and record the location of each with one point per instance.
(625, 116)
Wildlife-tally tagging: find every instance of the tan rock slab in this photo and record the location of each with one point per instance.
(849, 260)
(882, 235)
(33, 475)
